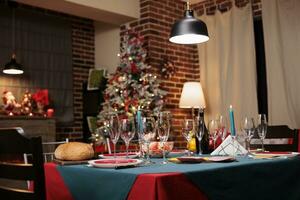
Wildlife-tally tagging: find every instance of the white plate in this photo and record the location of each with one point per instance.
(275, 154)
(119, 155)
(113, 163)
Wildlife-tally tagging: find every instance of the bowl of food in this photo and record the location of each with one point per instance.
(156, 148)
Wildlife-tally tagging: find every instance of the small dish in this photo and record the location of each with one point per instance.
(156, 149)
(114, 163)
(119, 155)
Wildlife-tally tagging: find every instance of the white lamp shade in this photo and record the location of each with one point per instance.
(192, 96)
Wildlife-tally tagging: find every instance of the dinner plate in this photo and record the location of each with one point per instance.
(174, 153)
(191, 159)
(275, 154)
(113, 163)
(119, 155)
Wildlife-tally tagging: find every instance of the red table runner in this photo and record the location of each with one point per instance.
(162, 186)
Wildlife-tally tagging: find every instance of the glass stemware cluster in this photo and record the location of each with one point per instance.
(249, 128)
(144, 124)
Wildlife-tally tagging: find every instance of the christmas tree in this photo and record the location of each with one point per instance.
(132, 86)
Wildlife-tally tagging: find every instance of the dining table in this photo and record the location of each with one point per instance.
(245, 178)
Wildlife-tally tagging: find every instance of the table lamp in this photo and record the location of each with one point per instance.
(192, 96)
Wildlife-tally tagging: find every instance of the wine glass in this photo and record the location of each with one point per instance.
(222, 127)
(213, 130)
(148, 130)
(127, 129)
(262, 128)
(112, 123)
(188, 131)
(248, 127)
(200, 131)
(163, 129)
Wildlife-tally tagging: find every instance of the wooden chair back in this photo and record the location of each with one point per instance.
(279, 138)
(12, 143)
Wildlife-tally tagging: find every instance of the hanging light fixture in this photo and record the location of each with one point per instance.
(12, 67)
(189, 30)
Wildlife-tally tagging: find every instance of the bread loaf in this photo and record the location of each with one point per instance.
(73, 151)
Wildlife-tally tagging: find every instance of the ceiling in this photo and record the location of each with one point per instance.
(113, 12)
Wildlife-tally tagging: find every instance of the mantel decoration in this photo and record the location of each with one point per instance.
(41, 99)
(132, 86)
(31, 104)
(26, 104)
(9, 102)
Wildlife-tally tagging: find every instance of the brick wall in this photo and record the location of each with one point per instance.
(156, 19)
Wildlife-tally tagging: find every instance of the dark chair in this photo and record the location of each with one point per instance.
(12, 143)
(279, 138)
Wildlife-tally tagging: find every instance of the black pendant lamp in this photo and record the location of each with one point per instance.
(12, 67)
(189, 30)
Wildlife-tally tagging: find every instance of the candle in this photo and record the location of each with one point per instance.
(50, 112)
(232, 127)
(139, 121)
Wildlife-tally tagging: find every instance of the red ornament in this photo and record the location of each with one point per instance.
(134, 68)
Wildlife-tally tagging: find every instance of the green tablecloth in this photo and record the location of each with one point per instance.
(245, 179)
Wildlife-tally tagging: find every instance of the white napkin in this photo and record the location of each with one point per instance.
(230, 147)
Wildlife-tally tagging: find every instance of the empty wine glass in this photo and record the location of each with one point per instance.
(222, 131)
(200, 131)
(127, 129)
(213, 130)
(262, 128)
(247, 125)
(188, 131)
(112, 123)
(147, 134)
(163, 129)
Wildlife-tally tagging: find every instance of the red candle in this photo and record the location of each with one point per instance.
(50, 112)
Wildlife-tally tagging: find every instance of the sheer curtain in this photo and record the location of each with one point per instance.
(227, 64)
(282, 46)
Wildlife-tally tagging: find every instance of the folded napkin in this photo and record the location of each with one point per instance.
(231, 147)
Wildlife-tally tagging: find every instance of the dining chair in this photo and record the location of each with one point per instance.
(49, 148)
(14, 143)
(278, 138)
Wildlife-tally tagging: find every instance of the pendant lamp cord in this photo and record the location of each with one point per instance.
(13, 30)
(188, 5)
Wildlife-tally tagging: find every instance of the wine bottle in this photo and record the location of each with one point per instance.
(205, 138)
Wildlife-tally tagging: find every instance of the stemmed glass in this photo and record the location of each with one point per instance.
(262, 128)
(200, 131)
(248, 127)
(127, 129)
(222, 127)
(213, 130)
(112, 123)
(163, 129)
(188, 130)
(147, 134)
